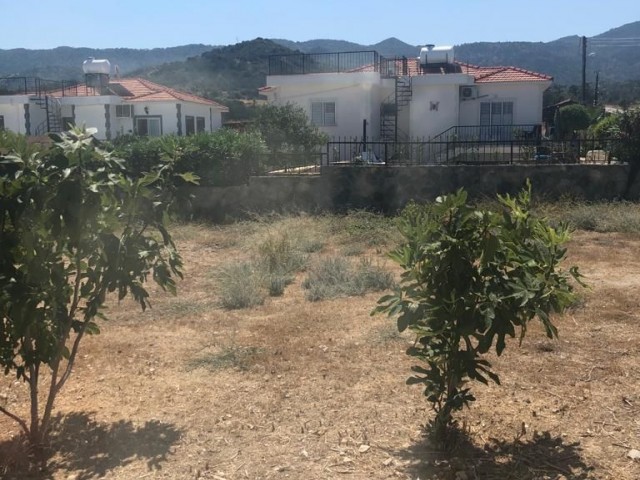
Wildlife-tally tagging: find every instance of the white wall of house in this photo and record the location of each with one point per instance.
(356, 97)
(12, 109)
(526, 98)
(90, 111)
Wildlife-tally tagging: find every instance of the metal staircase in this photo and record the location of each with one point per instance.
(391, 107)
(53, 109)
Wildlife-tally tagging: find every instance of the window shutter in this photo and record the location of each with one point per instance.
(330, 113)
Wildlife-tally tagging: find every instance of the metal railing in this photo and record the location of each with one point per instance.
(304, 63)
(521, 150)
(37, 86)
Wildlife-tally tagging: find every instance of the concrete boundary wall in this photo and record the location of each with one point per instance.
(388, 189)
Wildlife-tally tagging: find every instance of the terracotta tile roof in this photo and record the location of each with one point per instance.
(141, 90)
(480, 74)
(502, 74)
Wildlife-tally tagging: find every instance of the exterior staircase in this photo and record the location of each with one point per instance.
(53, 121)
(391, 107)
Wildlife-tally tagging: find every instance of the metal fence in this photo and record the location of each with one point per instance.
(37, 86)
(471, 152)
(304, 63)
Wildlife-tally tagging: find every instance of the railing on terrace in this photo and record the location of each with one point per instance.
(490, 132)
(36, 86)
(304, 63)
(521, 150)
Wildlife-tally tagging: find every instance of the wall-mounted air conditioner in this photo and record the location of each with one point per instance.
(468, 92)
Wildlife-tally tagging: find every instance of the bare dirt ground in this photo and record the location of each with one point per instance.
(301, 390)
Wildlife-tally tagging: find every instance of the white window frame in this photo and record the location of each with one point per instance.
(124, 111)
(323, 113)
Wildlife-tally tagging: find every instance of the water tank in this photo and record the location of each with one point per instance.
(432, 54)
(92, 65)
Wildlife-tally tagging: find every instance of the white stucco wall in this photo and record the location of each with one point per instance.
(356, 95)
(12, 109)
(526, 98)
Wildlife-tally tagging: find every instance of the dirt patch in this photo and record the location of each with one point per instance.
(294, 389)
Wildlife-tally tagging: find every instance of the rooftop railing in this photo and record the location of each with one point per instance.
(36, 86)
(304, 63)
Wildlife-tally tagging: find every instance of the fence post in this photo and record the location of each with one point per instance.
(511, 157)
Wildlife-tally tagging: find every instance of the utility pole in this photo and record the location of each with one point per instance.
(584, 70)
(596, 92)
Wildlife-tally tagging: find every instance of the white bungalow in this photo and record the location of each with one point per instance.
(362, 93)
(115, 106)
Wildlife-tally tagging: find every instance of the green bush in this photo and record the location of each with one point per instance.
(471, 278)
(222, 158)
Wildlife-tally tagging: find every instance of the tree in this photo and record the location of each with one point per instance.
(572, 118)
(471, 278)
(73, 228)
(287, 127)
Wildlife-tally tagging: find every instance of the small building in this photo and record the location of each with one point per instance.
(115, 106)
(363, 94)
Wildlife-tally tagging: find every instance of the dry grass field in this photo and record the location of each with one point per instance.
(300, 389)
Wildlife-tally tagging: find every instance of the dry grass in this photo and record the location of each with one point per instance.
(302, 390)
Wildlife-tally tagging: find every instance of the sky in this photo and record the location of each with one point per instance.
(44, 24)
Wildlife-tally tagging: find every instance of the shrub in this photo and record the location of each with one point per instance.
(240, 286)
(333, 277)
(471, 277)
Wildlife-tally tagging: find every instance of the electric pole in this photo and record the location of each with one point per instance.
(584, 70)
(595, 93)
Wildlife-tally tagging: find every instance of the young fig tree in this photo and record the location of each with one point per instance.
(472, 278)
(74, 227)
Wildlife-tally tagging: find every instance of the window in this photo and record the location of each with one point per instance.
(149, 126)
(1, 122)
(496, 118)
(323, 113)
(190, 125)
(200, 124)
(496, 113)
(124, 111)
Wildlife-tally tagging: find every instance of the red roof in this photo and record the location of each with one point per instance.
(480, 74)
(502, 74)
(139, 90)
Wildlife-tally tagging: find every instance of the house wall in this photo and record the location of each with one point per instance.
(434, 108)
(526, 98)
(356, 95)
(91, 112)
(21, 115)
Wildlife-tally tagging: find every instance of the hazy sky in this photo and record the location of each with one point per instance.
(163, 23)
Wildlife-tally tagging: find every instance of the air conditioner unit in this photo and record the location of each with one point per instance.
(468, 92)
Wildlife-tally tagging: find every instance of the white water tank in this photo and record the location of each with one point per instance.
(96, 66)
(431, 54)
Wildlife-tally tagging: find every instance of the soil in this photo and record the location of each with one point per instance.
(301, 390)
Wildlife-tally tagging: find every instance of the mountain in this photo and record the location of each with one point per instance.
(390, 47)
(237, 71)
(232, 72)
(65, 63)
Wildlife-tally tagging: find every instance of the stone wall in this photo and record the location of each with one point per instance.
(388, 189)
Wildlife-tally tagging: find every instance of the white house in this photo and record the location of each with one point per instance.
(355, 93)
(115, 106)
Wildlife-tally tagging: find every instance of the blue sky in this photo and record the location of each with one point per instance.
(164, 23)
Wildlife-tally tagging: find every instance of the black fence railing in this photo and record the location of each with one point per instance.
(521, 150)
(528, 131)
(37, 86)
(304, 63)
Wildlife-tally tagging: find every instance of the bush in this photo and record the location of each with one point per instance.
(222, 158)
(471, 278)
(333, 277)
(240, 286)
